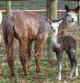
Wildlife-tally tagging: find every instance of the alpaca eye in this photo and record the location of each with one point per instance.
(54, 30)
(72, 19)
(51, 27)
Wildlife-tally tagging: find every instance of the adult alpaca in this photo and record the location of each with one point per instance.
(26, 27)
(70, 19)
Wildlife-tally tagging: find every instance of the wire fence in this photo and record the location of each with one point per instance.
(39, 6)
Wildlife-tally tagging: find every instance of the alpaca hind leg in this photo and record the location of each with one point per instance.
(73, 62)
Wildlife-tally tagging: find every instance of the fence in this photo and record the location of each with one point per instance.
(38, 5)
(61, 4)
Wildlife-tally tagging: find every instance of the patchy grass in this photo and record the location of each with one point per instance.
(48, 74)
(48, 71)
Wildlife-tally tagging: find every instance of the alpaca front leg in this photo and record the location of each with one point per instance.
(76, 72)
(59, 70)
(58, 55)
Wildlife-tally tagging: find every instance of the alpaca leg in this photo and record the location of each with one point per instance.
(23, 54)
(76, 72)
(73, 61)
(29, 52)
(59, 57)
(8, 39)
(41, 38)
(38, 53)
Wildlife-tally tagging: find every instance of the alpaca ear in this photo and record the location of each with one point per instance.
(66, 8)
(49, 21)
(60, 21)
(77, 9)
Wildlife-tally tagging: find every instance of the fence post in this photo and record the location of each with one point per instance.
(78, 14)
(54, 9)
(8, 6)
(52, 14)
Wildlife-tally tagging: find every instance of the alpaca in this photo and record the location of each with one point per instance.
(61, 43)
(26, 27)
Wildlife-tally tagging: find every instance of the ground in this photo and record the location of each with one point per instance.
(48, 74)
(48, 71)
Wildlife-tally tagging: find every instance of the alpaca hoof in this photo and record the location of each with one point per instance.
(71, 77)
(76, 73)
(25, 74)
(59, 78)
(38, 71)
(13, 75)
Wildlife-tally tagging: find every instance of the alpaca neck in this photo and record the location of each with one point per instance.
(55, 42)
(54, 39)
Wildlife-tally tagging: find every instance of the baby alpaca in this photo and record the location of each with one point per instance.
(64, 43)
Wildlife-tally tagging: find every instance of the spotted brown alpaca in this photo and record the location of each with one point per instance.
(26, 27)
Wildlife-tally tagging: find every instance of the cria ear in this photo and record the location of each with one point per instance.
(77, 9)
(60, 21)
(66, 8)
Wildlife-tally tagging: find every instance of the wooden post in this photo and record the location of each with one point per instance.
(78, 14)
(52, 14)
(8, 6)
(54, 9)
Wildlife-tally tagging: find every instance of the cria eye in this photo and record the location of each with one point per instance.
(54, 30)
